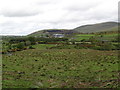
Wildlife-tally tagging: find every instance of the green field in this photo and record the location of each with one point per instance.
(43, 46)
(83, 36)
(60, 68)
(80, 37)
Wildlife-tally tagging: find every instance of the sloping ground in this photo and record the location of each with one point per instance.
(100, 27)
(55, 68)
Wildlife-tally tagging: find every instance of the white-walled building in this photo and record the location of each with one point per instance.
(58, 35)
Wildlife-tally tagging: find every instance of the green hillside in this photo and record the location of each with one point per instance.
(93, 28)
(100, 27)
(51, 31)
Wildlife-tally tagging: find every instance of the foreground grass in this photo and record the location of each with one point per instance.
(44, 68)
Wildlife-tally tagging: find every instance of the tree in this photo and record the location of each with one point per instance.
(20, 45)
(32, 40)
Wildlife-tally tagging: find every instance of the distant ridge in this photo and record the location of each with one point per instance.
(99, 27)
(91, 28)
(52, 31)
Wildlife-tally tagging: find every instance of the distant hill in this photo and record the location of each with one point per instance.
(52, 31)
(92, 28)
(100, 27)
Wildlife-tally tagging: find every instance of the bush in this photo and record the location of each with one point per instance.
(32, 40)
(117, 46)
(31, 47)
(83, 40)
(20, 45)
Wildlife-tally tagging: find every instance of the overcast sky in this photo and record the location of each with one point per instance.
(22, 17)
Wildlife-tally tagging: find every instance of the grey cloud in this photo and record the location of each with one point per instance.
(19, 13)
(45, 2)
(15, 28)
(78, 8)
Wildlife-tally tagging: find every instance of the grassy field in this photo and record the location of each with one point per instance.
(80, 37)
(43, 46)
(83, 36)
(51, 68)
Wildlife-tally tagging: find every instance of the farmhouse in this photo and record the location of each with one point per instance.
(58, 35)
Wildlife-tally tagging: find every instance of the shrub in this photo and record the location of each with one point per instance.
(83, 40)
(117, 46)
(31, 47)
(32, 40)
(20, 45)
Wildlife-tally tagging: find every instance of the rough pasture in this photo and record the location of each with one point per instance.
(60, 68)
